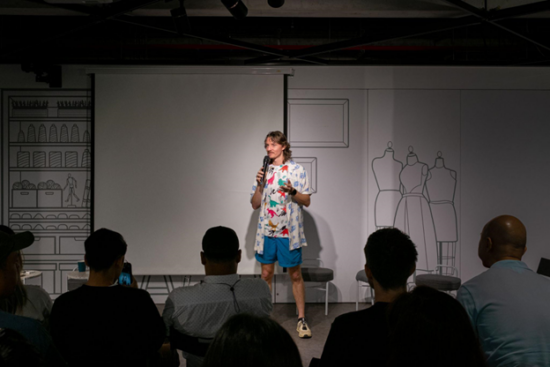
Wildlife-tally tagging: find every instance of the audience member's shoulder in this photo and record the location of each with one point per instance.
(256, 283)
(8, 318)
(133, 292)
(488, 276)
(69, 296)
(24, 325)
(36, 292)
(253, 281)
(373, 312)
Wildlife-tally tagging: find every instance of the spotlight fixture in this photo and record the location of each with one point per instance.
(276, 3)
(181, 21)
(236, 8)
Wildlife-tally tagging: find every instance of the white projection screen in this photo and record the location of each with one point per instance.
(176, 154)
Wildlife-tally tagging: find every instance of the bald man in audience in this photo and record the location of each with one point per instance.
(509, 304)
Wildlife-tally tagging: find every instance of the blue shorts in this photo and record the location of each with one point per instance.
(277, 249)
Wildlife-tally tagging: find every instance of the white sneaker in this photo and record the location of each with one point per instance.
(303, 329)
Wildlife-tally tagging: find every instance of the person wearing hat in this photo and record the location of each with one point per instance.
(32, 330)
(103, 323)
(201, 310)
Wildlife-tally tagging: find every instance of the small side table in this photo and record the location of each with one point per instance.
(30, 274)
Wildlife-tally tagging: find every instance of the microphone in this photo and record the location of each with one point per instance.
(266, 165)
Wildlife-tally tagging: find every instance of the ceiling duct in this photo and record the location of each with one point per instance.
(81, 2)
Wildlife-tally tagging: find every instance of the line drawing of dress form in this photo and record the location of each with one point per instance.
(414, 216)
(386, 173)
(441, 188)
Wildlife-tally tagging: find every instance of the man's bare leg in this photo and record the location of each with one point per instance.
(298, 289)
(267, 273)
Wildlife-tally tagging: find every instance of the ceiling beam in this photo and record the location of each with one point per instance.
(117, 14)
(485, 16)
(72, 7)
(519, 11)
(371, 39)
(226, 40)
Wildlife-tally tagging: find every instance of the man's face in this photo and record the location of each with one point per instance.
(274, 150)
(9, 275)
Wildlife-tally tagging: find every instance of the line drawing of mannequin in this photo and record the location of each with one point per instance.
(413, 215)
(441, 188)
(386, 173)
(71, 183)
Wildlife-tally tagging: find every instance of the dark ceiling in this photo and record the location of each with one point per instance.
(452, 32)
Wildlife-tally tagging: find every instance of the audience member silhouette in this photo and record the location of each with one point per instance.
(26, 300)
(201, 310)
(430, 328)
(509, 304)
(357, 337)
(32, 330)
(250, 341)
(103, 323)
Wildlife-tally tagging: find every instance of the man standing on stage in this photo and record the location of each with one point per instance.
(280, 233)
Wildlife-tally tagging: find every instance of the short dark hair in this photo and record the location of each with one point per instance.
(249, 341)
(430, 328)
(391, 255)
(103, 248)
(220, 244)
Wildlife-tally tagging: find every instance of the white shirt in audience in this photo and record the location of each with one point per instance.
(202, 309)
(38, 305)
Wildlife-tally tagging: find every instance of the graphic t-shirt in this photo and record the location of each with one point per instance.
(294, 213)
(276, 224)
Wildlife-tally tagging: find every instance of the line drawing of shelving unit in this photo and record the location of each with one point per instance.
(46, 167)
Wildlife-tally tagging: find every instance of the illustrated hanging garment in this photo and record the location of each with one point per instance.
(42, 134)
(386, 173)
(414, 216)
(53, 134)
(441, 190)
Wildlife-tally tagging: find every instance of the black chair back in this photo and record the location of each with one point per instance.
(189, 344)
(544, 267)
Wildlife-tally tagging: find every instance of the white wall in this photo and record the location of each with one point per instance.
(503, 155)
(495, 126)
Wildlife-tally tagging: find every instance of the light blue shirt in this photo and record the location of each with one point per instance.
(202, 309)
(509, 306)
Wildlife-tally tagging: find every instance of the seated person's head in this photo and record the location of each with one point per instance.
(391, 258)
(15, 350)
(10, 259)
(431, 328)
(220, 251)
(251, 341)
(105, 249)
(503, 238)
